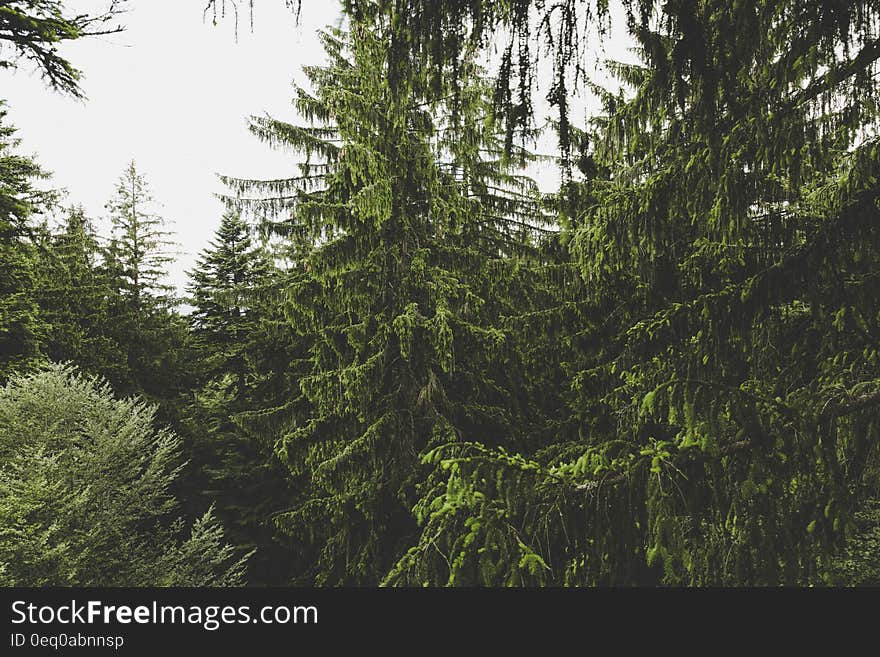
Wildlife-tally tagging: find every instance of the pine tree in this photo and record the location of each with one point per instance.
(20, 328)
(727, 385)
(143, 308)
(664, 373)
(399, 240)
(739, 360)
(230, 467)
(75, 297)
(32, 30)
(226, 275)
(141, 246)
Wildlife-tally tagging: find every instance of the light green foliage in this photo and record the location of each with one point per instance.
(85, 492)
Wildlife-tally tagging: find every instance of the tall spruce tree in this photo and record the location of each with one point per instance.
(142, 247)
(143, 308)
(223, 282)
(399, 236)
(727, 388)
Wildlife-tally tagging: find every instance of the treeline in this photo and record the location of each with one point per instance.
(101, 305)
(408, 366)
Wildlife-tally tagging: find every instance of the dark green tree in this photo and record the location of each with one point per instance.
(143, 307)
(141, 246)
(400, 239)
(20, 329)
(226, 277)
(727, 388)
(232, 467)
(75, 298)
(664, 373)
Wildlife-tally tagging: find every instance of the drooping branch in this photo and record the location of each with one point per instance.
(840, 408)
(867, 56)
(32, 29)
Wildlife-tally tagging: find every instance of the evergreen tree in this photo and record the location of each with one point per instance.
(143, 309)
(20, 329)
(429, 373)
(32, 30)
(396, 298)
(727, 387)
(85, 492)
(75, 297)
(141, 248)
(232, 468)
(229, 272)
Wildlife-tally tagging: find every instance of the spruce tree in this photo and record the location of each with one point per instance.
(230, 466)
(75, 297)
(400, 240)
(727, 385)
(143, 306)
(20, 328)
(664, 373)
(141, 246)
(226, 277)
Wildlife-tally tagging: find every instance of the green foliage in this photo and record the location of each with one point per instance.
(398, 297)
(75, 297)
(858, 564)
(140, 246)
(85, 492)
(19, 199)
(233, 468)
(729, 398)
(427, 373)
(33, 29)
(142, 309)
(225, 291)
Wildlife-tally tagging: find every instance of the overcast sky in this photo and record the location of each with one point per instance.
(173, 93)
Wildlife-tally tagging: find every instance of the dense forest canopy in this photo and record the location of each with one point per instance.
(407, 365)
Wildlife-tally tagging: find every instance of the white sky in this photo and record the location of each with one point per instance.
(173, 92)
